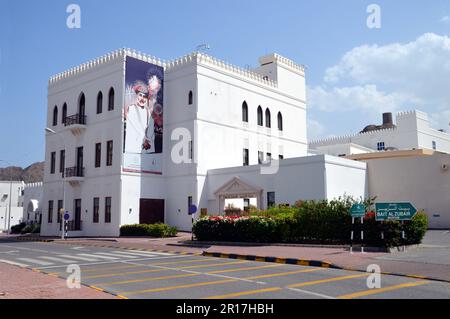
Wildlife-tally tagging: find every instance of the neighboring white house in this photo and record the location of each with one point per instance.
(132, 139)
(411, 131)
(32, 201)
(11, 203)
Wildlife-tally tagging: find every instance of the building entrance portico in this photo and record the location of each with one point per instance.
(238, 189)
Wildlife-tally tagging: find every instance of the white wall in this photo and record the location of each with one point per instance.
(16, 215)
(307, 178)
(419, 180)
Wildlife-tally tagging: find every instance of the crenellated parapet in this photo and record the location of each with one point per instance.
(33, 185)
(105, 59)
(204, 59)
(348, 138)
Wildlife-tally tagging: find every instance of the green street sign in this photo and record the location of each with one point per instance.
(394, 211)
(358, 210)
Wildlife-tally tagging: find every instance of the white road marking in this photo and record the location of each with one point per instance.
(61, 260)
(9, 252)
(133, 254)
(144, 253)
(312, 293)
(36, 261)
(78, 257)
(115, 262)
(12, 263)
(117, 255)
(97, 256)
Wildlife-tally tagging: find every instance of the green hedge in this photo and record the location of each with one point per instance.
(314, 222)
(154, 230)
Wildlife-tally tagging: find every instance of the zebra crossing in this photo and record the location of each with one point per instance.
(56, 259)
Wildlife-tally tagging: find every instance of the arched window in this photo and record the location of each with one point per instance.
(268, 118)
(111, 99)
(81, 109)
(64, 113)
(260, 116)
(191, 98)
(244, 112)
(280, 121)
(55, 116)
(99, 102)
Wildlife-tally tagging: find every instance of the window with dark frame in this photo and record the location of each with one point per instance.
(99, 102)
(58, 212)
(280, 121)
(280, 157)
(244, 112)
(96, 210)
(260, 116)
(111, 97)
(109, 153)
(98, 154)
(52, 162)
(64, 114)
(434, 145)
(50, 211)
(107, 209)
(380, 146)
(269, 156)
(191, 150)
(189, 203)
(55, 116)
(62, 161)
(190, 98)
(245, 157)
(270, 199)
(268, 120)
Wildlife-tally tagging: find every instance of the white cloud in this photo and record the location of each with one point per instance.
(357, 98)
(392, 77)
(315, 129)
(445, 19)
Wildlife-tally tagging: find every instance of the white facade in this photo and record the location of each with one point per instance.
(11, 203)
(32, 202)
(216, 126)
(412, 131)
(422, 180)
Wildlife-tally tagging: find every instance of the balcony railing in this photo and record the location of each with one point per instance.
(73, 172)
(75, 119)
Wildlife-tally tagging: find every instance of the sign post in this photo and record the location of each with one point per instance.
(395, 211)
(357, 211)
(192, 211)
(64, 225)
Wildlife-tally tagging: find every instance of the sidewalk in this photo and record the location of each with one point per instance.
(430, 260)
(20, 283)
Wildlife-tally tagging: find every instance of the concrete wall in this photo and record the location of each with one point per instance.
(419, 180)
(16, 217)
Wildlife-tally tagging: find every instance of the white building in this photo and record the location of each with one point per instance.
(11, 203)
(107, 160)
(32, 201)
(411, 131)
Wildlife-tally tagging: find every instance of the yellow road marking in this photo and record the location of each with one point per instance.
(145, 279)
(244, 293)
(181, 261)
(316, 282)
(159, 270)
(283, 273)
(381, 290)
(199, 284)
(243, 269)
(124, 273)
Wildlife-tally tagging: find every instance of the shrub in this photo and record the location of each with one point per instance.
(317, 222)
(17, 229)
(152, 230)
(27, 229)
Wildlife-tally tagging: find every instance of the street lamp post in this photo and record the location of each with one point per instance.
(63, 222)
(10, 194)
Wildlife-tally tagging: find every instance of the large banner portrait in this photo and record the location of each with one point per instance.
(143, 117)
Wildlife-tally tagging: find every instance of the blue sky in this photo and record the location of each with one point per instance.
(354, 73)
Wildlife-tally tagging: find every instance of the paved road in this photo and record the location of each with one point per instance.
(152, 274)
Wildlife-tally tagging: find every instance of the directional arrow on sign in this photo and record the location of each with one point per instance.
(394, 211)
